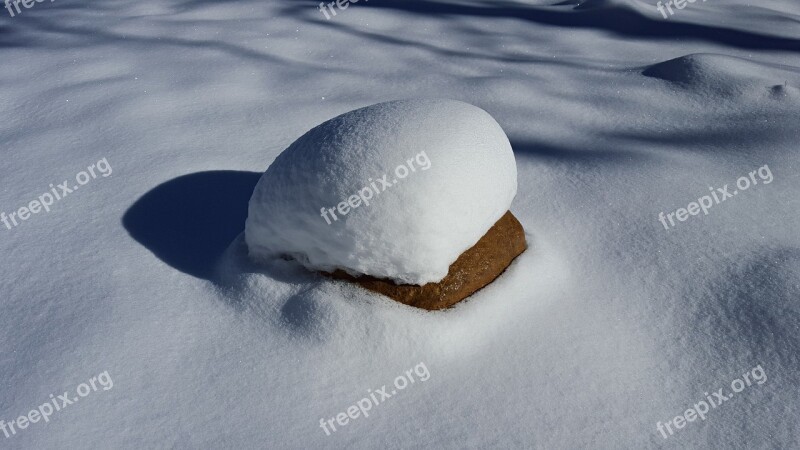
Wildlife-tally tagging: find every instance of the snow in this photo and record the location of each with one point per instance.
(605, 326)
(396, 190)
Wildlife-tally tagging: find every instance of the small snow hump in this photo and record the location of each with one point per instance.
(396, 190)
(684, 69)
(721, 75)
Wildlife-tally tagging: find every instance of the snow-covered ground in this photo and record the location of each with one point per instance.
(610, 323)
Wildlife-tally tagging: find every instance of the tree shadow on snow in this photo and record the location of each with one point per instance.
(619, 20)
(568, 155)
(189, 221)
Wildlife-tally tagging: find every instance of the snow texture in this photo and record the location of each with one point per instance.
(605, 326)
(425, 179)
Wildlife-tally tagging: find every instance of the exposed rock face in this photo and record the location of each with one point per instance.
(475, 268)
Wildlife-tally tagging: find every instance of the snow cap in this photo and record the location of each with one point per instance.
(395, 190)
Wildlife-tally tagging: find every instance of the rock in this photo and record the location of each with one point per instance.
(475, 268)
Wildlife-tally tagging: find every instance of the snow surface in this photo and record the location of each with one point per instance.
(607, 325)
(407, 187)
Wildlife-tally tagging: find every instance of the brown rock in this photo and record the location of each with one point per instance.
(475, 268)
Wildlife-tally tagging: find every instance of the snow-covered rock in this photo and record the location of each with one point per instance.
(395, 190)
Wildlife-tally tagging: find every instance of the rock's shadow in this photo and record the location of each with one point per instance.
(189, 221)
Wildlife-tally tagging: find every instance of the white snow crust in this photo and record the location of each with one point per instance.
(458, 177)
(605, 326)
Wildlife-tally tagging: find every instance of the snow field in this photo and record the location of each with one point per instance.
(607, 325)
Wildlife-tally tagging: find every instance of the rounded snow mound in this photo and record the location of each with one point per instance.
(721, 74)
(395, 190)
(703, 68)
